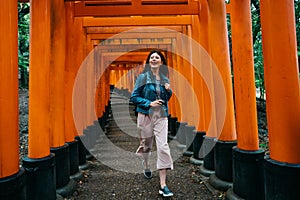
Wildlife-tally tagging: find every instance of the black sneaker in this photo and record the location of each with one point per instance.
(165, 192)
(147, 172)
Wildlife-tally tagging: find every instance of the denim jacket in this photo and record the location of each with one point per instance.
(144, 93)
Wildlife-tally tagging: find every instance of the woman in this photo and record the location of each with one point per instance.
(151, 95)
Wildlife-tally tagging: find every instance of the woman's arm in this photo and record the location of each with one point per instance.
(136, 95)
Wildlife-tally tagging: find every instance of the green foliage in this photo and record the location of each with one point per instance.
(257, 42)
(297, 19)
(257, 48)
(23, 34)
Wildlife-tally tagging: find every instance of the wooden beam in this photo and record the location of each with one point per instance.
(136, 8)
(121, 56)
(115, 48)
(116, 30)
(120, 68)
(99, 36)
(128, 57)
(137, 21)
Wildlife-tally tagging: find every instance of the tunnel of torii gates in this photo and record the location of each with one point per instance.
(64, 33)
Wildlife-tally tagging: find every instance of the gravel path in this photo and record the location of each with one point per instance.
(103, 182)
(111, 177)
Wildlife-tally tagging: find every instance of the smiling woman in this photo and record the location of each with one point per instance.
(151, 95)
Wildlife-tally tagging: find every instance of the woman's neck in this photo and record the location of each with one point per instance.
(155, 71)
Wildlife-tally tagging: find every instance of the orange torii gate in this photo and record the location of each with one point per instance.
(51, 124)
(101, 28)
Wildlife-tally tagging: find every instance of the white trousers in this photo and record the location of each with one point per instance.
(148, 127)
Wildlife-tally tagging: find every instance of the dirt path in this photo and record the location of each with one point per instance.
(103, 182)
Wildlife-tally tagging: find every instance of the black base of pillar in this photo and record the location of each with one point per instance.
(219, 184)
(91, 136)
(172, 126)
(77, 176)
(281, 180)
(195, 161)
(88, 139)
(205, 172)
(223, 159)
(171, 137)
(208, 152)
(64, 185)
(189, 138)
(208, 167)
(197, 143)
(40, 178)
(248, 175)
(73, 155)
(81, 151)
(180, 134)
(187, 153)
(68, 189)
(84, 166)
(230, 195)
(62, 161)
(13, 187)
(89, 156)
(197, 158)
(223, 165)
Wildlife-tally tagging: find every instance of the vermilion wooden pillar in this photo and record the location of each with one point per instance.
(11, 176)
(107, 92)
(207, 149)
(281, 79)
(57, 98)
(39, 105)
(177, 82)
(78, 108)
(9, 134)
(179, 89)
(57, 75)
(190, 108)
(98, 86)
(186, 78)
(174, 104)
(198, 80)
(198, 87)
(220, 54)
(205, 91)
(89, 84)
(70, 70)
(39, 82)
(247, 157)
(244, 81)
(282, 169)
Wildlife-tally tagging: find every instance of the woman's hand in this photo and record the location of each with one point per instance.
(167, 86)
(156, 103)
